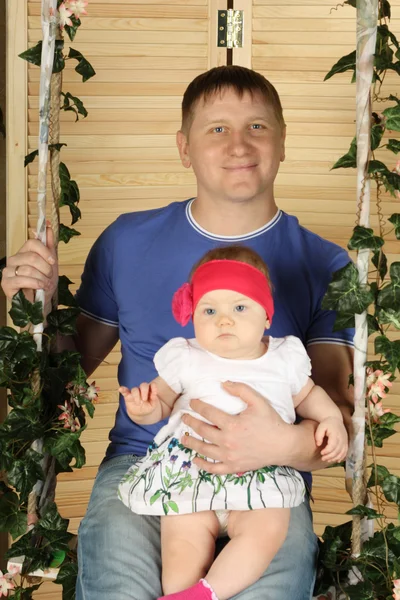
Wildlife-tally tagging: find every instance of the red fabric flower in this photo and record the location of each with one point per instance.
(182, 304)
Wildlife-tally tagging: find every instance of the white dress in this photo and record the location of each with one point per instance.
(166, 480)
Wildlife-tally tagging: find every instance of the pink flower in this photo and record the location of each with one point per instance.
(78, 7)
(396, 589)
(397, 167)
(64, 15)
(182, 304)
(377, 382)
(376, 410)
(70, 422)
(5, 584)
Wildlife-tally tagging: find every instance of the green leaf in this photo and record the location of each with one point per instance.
(69, 193)
(26, 472)
(67, 578)
(381, 474)
(173, 506)
(74, 104)
(390, 350)
(13, 518)
(391, 181)
(379, 261)
(25, 593)
(348, 160)
(66, 233)
(363, 237)
(373, 325)
(72, 29)
(352, 3)
(346, 63)
(345, 294)
(376, 136)
(83, 67)
(391, 488)
(8, 338)
(389, 295)
(65, 297)
(344, 321)
(63, 321)
(364, 511)
(23, 312)
(376, 166)
(56, 146)
(388, 316)
(34, 55)
(392, 115)
(384, 10)
(393, 145)
(30, 157)
(155, 497)
(389, 419)
(395, 220)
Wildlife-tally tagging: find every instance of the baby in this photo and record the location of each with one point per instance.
(230, 301)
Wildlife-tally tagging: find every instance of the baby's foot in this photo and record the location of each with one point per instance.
(200, 591)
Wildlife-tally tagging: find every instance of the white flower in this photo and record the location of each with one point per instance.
(64, 15)
(5, 584)
(78, 7)
(92, 392)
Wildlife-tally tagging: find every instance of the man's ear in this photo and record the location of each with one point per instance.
(183, 148)
(283, 156)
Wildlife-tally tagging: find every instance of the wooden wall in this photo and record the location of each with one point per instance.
(123, 155)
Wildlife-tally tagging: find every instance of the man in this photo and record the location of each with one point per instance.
(233, 136)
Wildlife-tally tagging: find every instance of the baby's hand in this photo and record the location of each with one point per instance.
(140, 401)
(337, 445)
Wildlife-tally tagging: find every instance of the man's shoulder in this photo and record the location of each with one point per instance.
(316, 248)
(154, 216)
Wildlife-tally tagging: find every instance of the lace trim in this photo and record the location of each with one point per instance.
(208, 586)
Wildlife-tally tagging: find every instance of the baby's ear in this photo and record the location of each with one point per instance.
(267, 323)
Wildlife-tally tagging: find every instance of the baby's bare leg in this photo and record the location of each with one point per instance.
(187, 549)
(256, 536)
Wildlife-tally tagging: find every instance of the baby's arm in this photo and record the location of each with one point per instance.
(149, 403)
(312, 402)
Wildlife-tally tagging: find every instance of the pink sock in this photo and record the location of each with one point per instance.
(200, 591)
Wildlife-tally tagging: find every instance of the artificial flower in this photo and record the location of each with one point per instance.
(376, 410)
(377, 382)
(5, 584)
(182, 304)
(64, 15)
(92, 392)
(78, 7)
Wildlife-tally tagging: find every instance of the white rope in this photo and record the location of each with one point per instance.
(49, 26)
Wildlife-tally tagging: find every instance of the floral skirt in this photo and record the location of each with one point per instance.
(166, 481)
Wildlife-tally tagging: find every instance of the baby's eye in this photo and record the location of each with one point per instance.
(209, 311)
(240, 308)
(219, 129)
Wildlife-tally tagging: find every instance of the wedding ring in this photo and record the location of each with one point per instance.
(16, 270)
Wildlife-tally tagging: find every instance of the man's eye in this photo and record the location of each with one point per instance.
(209, 311)
(256, 126)
(240, 308)
(219, 129)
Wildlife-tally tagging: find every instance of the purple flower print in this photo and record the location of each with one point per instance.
(173, 458)
(186, 465)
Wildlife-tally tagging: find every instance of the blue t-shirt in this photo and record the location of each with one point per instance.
(142, 258)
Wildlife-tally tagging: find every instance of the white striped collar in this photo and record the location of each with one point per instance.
(229, 238)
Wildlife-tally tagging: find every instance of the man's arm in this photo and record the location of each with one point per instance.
(258, 436)
(94, 341)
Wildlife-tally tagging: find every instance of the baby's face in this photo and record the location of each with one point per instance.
(230, 325)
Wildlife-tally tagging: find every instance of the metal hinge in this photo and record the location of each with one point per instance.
(230, 28)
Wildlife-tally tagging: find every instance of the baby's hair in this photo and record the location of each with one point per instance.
(239, 253)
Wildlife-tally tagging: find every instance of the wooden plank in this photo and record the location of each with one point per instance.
(100, 25)
(143, 10)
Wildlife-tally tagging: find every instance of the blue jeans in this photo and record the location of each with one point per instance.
(119, 551)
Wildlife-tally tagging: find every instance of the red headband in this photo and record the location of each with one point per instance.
(222, 275)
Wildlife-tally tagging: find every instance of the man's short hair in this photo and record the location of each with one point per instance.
(218, 79)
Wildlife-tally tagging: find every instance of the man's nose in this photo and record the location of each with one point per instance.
(238, 143)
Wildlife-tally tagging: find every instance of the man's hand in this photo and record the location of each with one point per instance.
(34, 267)
(248, 441)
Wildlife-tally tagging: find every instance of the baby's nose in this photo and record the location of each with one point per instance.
(225, 320)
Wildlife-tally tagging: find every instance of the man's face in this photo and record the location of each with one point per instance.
(235, 146)
(230, 325)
